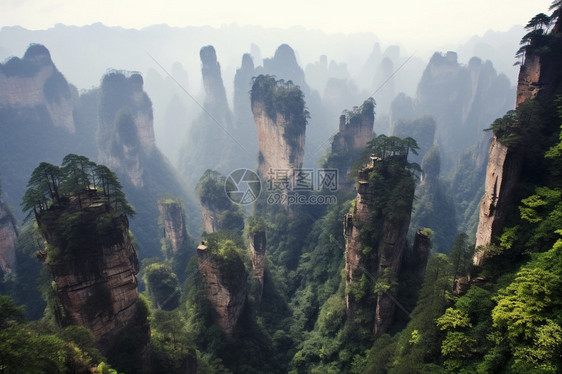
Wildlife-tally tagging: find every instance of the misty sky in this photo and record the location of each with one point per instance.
(407, 21)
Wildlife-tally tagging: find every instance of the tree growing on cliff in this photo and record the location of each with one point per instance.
(79, 178)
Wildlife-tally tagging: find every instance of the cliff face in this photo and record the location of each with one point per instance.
(34, 81)
(226, 289)
(243, 118)
(8, 237)
(126, 131)
(355, 130)
(257, 242)
(210, 219)
(538, 80)
(173, 221)
(502, 174)
(280, 117)
(355, 261)
(275, 152)
(420, 249)
(211, 142)
(93, 267)
(375, 241)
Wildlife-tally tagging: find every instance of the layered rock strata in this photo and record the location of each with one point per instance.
(226, 289)
(95, 282)
(280, 116)
(173, 221)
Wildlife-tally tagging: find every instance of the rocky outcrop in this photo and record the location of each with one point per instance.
(420, 250)
(210, 219)
(126, 131)
(226, 287)
(281, 118)
(93, 266)
(219, 212)
(34, 81)
(8, 237)
(257, 242)
(355, 261)
(243, 118)
(173, 221)
(355, 129)
(538, 80)
(375, 239)
(502, 174)
(211, 142)
(284, 66)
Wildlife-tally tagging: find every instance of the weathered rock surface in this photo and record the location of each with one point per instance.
(502, 174)
(421, 248)
(355, 261)
(374, 248)
(173, 220)
(211, 142)
(258, 242)
(280, 116)
(96, 285)
(210, 219)
(538, 79)
(126, 125)
(226, 292)
(8, 237)
(355, 130)
(275, 152)
(34, 81)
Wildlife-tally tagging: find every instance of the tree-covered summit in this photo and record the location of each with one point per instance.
(78, 182)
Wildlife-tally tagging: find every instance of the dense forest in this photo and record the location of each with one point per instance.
(433, 246)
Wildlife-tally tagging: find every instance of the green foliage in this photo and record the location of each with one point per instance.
(453, 319)
(519, 128)
(255, 224)
(77, 179)
(162, 286)
(284, 98)
(9, 312)
(211, 193)
(522, 305)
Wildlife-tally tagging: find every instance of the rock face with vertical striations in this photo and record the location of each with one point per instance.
(126, 130)
(93, 266)
(420, 249)
(375, 237)
(211, 142)
(281, 118)
(258, 242)
(355, 130)
(173, 221)
(502, 174)
(538, 80)
(34, 81)
(8, 237)
(226, 286)
(355, 261)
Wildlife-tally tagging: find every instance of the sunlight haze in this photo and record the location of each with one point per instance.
(433, 21)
